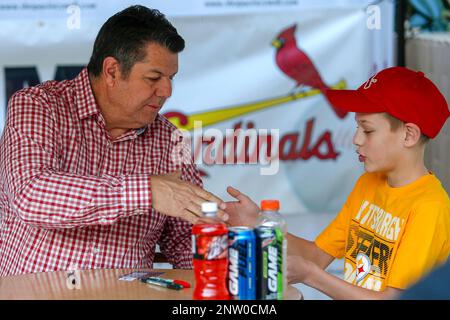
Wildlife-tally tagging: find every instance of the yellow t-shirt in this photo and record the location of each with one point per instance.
(390, 236)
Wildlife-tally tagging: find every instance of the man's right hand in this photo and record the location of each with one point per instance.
(177, 198)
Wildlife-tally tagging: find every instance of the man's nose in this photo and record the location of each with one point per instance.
(164, 89)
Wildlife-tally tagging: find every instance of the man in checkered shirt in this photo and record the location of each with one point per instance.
(88, 177)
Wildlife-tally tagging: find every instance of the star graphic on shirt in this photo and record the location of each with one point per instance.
(360, 266)
(361, 269)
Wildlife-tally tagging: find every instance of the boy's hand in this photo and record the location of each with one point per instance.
(243, 212)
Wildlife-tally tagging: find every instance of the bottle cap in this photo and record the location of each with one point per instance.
(270, 205)
(209, 207)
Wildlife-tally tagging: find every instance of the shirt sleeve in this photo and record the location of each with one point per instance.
(333, 238)
(423, 246)
(176, 239)
(44, 196)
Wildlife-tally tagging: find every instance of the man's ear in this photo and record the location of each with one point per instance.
(413, 134)
(111, 71)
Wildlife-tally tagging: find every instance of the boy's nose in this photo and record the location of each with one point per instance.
(357, 139)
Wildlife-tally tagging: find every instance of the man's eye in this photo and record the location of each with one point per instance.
(368, 131)
(153, 79)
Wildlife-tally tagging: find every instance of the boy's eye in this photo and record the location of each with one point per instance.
(368, 131)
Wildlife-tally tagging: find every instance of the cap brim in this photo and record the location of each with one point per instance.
(352, 101)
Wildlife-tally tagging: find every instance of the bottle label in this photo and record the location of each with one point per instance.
(210, 248)
(281, 252)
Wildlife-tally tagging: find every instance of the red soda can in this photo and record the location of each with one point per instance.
(210, 249)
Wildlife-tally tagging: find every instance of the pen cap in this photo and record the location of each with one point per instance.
(182, 283)
(163, 284)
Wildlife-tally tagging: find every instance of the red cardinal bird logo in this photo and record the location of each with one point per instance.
(296, 64)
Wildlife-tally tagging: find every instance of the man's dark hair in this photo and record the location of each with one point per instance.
(125, 35)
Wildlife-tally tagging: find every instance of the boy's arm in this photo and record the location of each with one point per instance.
(308, 250)
(244, 212)
(314, 276)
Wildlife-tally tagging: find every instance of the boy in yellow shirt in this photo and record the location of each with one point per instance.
(395, 225)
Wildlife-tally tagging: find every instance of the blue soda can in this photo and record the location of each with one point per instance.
(241, 263)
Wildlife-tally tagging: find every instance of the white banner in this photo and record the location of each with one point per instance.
(231, 77)
(101, 10)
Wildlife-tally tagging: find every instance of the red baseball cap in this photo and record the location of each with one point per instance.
(403, 93)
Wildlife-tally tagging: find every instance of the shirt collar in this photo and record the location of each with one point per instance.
(141, 130)
(85, 97)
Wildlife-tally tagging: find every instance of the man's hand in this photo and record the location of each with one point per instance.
(243, 212)
(174, 197)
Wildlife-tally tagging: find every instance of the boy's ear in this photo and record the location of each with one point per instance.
(413, 134)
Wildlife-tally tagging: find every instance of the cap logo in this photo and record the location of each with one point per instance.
(369, 82)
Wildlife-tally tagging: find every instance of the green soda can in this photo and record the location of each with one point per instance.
(269, 248)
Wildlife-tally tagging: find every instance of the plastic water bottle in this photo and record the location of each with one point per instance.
(210, 249)
(270, 217)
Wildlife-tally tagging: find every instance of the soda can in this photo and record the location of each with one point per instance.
(269, 250)
(241, 263)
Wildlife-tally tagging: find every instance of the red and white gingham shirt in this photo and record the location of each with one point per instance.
(72, 198)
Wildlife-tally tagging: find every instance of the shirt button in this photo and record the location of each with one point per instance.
(103, 220)
(95, 251)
